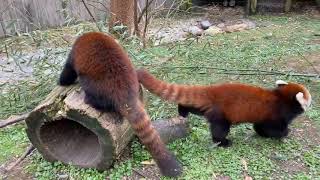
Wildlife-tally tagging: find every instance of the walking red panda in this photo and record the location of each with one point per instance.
(270, 111)
(110, 83)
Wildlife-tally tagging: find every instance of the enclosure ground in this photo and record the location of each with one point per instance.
(288, 43)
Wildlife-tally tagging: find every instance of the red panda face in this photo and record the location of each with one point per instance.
(296, 91)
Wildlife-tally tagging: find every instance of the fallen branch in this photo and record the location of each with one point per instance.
(249, 71)
(105, 7)
(88, 10)
(145, 25)
(91, 15)
(310, 63)
(139, 173)
(144, 10)
(21, 158)
(273, 73)
(13, 120)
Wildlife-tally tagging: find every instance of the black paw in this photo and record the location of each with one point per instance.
(65, 82)
(223, 143)
(118, 118)
(170, 167)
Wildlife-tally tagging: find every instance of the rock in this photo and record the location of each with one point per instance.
(268, 36)
(63, 176)
(221, 25)
(251, 25)
(232, 3)
(205, 24)
(213, 30)
(236, 27)
(195, 30)
(225, 3)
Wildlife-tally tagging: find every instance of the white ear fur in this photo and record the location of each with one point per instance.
(281, 82)
(303, 102)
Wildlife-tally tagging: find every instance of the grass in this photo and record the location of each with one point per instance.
(266, 48)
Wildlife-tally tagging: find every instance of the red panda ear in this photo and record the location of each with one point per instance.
(281, 83)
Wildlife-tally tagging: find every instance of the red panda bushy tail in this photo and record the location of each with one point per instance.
(181, 94)
(141, 124)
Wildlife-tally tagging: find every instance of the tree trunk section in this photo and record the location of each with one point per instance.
(122, 12)
(64, 128)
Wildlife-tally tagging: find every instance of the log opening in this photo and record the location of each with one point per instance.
(71, 142)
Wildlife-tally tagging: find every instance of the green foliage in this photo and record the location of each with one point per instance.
(43, 170)
(13, 140)
(312, 159)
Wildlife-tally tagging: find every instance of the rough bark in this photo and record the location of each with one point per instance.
(122, 12)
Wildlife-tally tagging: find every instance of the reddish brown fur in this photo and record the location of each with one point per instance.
(110, 84)
(234, 103)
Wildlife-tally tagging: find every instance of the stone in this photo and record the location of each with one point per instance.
(213, 30)
(205, 24)
(232, 3)
(251, 25)
(221, 25)
(236, 27)
(195, 30)
(63, 176)
(225, 3)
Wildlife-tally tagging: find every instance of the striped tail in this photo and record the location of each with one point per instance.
(141, 124)
(181, 94)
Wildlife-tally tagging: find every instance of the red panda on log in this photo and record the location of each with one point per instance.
(270, 111)
(110, 83)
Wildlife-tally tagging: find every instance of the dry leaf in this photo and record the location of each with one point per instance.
(151, 162)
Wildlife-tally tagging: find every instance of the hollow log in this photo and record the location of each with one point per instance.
(64, 128)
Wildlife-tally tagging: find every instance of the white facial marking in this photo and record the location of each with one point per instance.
(281, 82)
(305, 103)
(310, 99)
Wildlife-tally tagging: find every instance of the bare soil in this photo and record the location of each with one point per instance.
(307, 63)
(18, 172)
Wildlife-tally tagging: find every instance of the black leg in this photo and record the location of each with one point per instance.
(183, 111)
(270, 130)
(101, 103)
(68, 75)
(104, 105)
(219, 127)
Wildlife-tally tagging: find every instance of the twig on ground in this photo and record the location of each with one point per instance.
(249, 71)
(144, 10)
(310, 63)
(105, 7)
(91, 15)
(145, 24)
(88, 10)
(140, 173)
(21, 158)
(13, 120)
(273, 73)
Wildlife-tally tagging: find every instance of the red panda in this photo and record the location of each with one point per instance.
(270, 110)
(110, 83)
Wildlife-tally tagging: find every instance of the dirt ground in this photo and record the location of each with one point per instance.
(307, 63)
